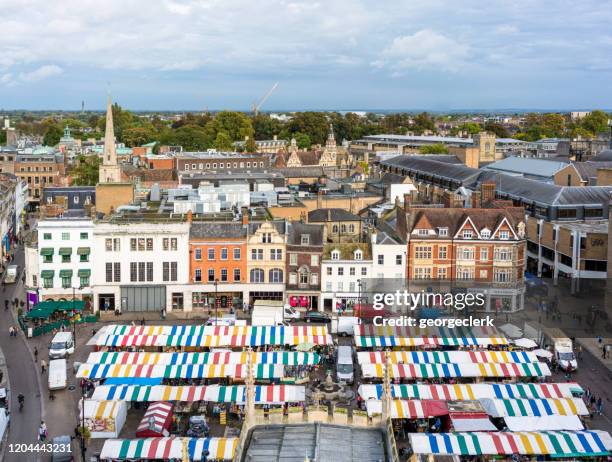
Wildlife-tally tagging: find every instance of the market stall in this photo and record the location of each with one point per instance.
(446, 357)
(466, 370)
(410, 409)
(264, 394)
(554, 444)
(104, 419)
(169, 448)
(473, 391)
(156, 421)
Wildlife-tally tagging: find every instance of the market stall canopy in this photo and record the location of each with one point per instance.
(544, 423)
(473, 391)
(367, 336)
(426, 371)
(101, 409)
(557, 444)
(218, 336)
(169, 448)
(534, 407)
(101, 371)
(264, 394)
(511, 330)
(156, 421)
(441, 357)
(45, 309)
(525, 343)
(286, 358)
(410, 409)
(472, 422)
(540, 353)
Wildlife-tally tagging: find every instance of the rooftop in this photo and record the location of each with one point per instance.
(527, 166)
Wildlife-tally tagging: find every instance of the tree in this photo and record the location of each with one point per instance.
(223, 142)
(137, 136)
(423, 122)
(497, 128)
(2, 137)
(302, 140)
(250, 145)
(552, 125)
(265, 127)
(313, 124)
(52, 135)
(471, 128)
(595, 122)
(436, 148)
(86, 172)
(236, 125)
(191, 137)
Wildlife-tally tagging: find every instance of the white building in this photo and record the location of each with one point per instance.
(388, 257)
(140, 266)
(208, 198)
(346, 272)
(65, 258)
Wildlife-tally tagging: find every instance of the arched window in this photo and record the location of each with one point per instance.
(358, 255)
(352, 228)
(257, 275)
(335, 255)
(343, 228)
(275, 275)
(334, 228)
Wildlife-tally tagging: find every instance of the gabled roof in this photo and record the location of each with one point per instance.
(324, 215)
(297, 229)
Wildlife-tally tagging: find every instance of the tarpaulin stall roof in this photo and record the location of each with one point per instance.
(101, 371)
(544, 423)
(557, 444)
(439, 357)
(287, 358)
(213, 336)
(169, 448)
(534, 407)
(264, 394)
(156, 421)
(471, 422)
(418, 371)
(471, 391)
(410, 409)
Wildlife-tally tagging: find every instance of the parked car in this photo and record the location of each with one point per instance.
(62, 449)
(316, 316)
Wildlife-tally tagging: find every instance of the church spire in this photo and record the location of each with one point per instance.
(110, 153)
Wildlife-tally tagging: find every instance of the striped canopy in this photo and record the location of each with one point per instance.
(471, 392)
(212, 336)
(287, 358)
(101, 371)
(440, 357)
(424, 371)
(410, 409)
(375, 336)
(169, 448)
(534, 407)
(157, 415)
(264, 394)
(101, 409)
(558, 444)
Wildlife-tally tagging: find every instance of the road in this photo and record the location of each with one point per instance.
(22, 374)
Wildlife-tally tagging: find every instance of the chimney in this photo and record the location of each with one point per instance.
(397, 201)
(189, 216)
(245, 216)
(373, 235)
(275, 138)
(487, 190)
(476, 199)
(92, 211)
(329, 215)
(407, 200)
(319, 199)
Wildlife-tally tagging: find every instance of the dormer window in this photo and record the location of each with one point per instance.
(422, 232)
(485, 233)
(335, 255)
(443, 232)
(305, 239)
(358, 255)
(467, 234)
(504, 235)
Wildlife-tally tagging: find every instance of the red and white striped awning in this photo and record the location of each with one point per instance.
(418, 371)
(155, 418)
(409, 409)
(169, 448)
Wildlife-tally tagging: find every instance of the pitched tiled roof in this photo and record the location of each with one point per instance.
(297, 229)
(217, 230)
(323, 215)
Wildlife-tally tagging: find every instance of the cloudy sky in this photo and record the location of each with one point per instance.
(326, 54)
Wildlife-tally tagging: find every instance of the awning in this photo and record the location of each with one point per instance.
(534, 407)
(65, 251)
(383, 336)
(47, 274)
(101, 409)
(213, 336)
(264, 394)
(472, 423)
(100, 371)
(169, 448)
(470, 392)
(65, 273)
(545, 423)
(156, 420)
(424, 371)
(84, 273)
(286, 358)
(556, 444)
(46, 251)
(410, 409)
(440, 357)
(83, 251)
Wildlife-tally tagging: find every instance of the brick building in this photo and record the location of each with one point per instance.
(304, 251)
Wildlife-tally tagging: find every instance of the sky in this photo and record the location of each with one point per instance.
(327, 54)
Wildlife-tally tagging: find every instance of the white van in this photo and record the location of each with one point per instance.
(57, 374)
(344, 364)
(344, 325)
(61, 346)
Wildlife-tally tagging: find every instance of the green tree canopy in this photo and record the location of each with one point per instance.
(52, 135)
(596, 122)
(86, 171)
(223, 142)
(437, 148)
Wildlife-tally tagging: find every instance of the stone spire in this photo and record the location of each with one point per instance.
(109, 170)
(331, 139)
(110, 153)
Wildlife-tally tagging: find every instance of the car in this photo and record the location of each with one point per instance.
(316, 316)
(62, 449)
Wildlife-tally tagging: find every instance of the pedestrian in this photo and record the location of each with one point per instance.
(603, 352)
(42, 431)
(11, 331)
(599, 405)
(43, 366)
(36, 354)
(579, 352)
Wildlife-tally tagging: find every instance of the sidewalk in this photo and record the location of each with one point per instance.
(591, 345)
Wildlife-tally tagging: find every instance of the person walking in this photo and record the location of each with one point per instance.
(599, 406)
(42, 431)
(43, 366)
(36, 354)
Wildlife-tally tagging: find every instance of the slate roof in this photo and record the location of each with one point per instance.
(603, 156)
(297, 229)
(527, 166)
(324, 215)
(433, 167)
(217, 230)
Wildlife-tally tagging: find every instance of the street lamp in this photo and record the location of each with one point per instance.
(82, 432)
(359, 292)
(216, 283)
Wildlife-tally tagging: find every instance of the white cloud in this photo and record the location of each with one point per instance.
(43, 72)
(506, 29)
(424, 50)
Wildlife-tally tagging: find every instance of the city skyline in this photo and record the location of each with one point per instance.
(337, 55)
